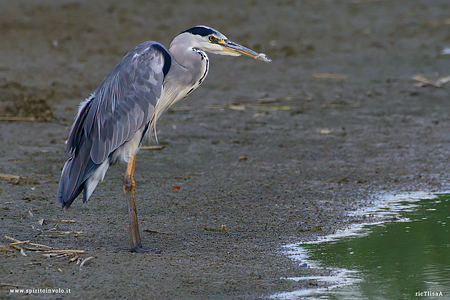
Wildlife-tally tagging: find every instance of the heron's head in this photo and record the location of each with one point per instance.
(210, 40)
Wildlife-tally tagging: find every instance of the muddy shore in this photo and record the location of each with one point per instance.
(335, 121)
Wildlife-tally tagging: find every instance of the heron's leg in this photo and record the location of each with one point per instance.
(128, 188)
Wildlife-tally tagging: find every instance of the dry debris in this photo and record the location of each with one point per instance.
(153, 147)
(222, 229)
(46, 251)
(329, 76)
(158, 232)
(85, 261)
(23, 252)
(423, 81)
(9, 177)
(63, 221)
(238, 107)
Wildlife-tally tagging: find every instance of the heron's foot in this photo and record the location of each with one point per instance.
(141, 249)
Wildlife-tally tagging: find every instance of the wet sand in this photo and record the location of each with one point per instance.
(316, 147)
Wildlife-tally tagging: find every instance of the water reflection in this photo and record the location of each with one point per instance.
(404, 258)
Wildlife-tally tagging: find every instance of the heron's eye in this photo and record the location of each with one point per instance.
(212, 38)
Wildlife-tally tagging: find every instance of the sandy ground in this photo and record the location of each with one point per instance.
(316, 148)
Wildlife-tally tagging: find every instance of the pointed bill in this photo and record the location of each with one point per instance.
(237, 49)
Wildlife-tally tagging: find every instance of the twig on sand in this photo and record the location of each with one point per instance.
(85, 261)
(47, 250)
(61, 251)
(55, 255)
(8, 284)
(154, 147)
(17, 242)
(423, 81)
(9, 177)
(74, 258)
(158, 232)
(329, 76)
(63, 221)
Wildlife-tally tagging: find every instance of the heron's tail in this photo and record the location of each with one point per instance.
(77, 176)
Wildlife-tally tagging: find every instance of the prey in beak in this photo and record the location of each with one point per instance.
(235, 49)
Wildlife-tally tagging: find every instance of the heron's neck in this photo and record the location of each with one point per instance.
(188, 70)
(193, 64)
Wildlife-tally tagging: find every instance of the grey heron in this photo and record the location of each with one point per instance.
(111, 123)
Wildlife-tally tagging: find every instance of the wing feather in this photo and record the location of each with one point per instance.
(122, 105)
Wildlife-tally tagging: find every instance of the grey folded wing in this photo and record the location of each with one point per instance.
(123, 103)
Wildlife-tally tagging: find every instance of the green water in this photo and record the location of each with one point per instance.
(405, 259)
